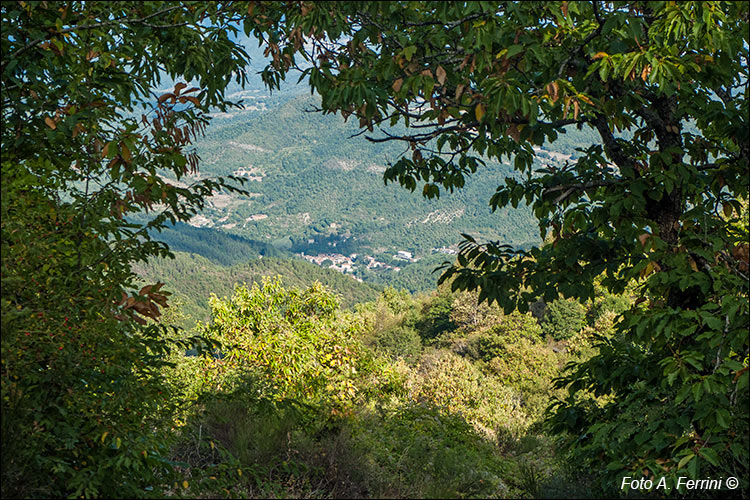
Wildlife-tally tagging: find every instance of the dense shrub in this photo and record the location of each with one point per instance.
(400, 342)
(435, 317)
(82, 389)
(468, 313)
(419, 451)
(297, 342)
(563, 319)
(529, 368)
(449, 381)
(512, 328)
(603, 313)
(398, 301)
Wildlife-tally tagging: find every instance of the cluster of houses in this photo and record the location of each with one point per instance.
(373, 263)
(448, 250)
(339, 262)
(345, 264)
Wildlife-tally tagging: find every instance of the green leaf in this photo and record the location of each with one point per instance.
(684, 460)
(710, 455)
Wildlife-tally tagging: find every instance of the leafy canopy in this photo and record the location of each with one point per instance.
(85, 409)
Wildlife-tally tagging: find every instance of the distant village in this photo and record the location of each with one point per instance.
(348, 264)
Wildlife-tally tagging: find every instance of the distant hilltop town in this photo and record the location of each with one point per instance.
(349, 264)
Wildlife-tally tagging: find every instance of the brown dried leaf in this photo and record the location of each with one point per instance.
(441, 74)
(50, 123)
(459, 91)
(514, 132)
(742, 252)
(552, 90)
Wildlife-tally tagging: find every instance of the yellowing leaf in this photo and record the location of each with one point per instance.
(409, 52)
(585, 99)
(104, 436)
(685, 460)
(185, 484)
(118, 442)
(125, 152)
(648, 270)
(479, 111)
(600, 55)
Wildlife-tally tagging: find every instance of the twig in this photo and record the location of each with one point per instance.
(98, 25)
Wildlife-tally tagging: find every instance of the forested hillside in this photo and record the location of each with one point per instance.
(193, 279)
(309, 180)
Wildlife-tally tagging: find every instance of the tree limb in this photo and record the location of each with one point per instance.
(99, 25)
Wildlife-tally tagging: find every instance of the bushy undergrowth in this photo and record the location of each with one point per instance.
(406, 397)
